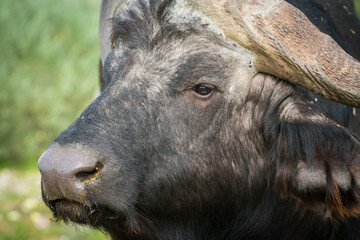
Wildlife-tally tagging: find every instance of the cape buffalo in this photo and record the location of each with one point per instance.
(218, 119)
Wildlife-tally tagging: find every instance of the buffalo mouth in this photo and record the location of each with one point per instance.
(97, 216)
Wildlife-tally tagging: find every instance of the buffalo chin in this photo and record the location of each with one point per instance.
(76, 212)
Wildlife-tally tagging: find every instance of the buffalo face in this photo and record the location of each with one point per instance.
(186, 135)
(160, 134)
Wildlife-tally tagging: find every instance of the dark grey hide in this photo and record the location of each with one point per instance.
(187, 141)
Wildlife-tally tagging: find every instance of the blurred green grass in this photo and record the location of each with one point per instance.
(357, 7)
(48, 72)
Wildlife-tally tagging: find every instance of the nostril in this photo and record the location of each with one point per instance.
(86, 175)
(66, 171)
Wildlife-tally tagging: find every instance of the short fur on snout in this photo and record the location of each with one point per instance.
(194, 143)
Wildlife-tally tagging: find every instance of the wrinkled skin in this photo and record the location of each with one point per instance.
(253, 158)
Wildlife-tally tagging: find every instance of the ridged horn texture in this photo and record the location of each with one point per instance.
(287, 45)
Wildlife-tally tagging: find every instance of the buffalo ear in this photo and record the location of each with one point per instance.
(105, 25)
(317, 160)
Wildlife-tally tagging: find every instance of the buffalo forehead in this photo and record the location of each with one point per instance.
(183, 63)
(181, 14)
(180, 63)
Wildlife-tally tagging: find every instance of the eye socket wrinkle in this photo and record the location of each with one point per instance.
(200, 68)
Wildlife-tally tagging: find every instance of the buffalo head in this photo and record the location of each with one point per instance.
(194, 135)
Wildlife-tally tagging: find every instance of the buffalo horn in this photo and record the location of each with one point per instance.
(282, 39)
(287, 45)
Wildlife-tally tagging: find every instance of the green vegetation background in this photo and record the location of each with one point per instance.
(48, 74)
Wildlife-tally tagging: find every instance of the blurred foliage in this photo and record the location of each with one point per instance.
(357, 7)
(48, 72)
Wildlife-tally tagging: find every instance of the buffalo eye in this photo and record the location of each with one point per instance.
(204, 90)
